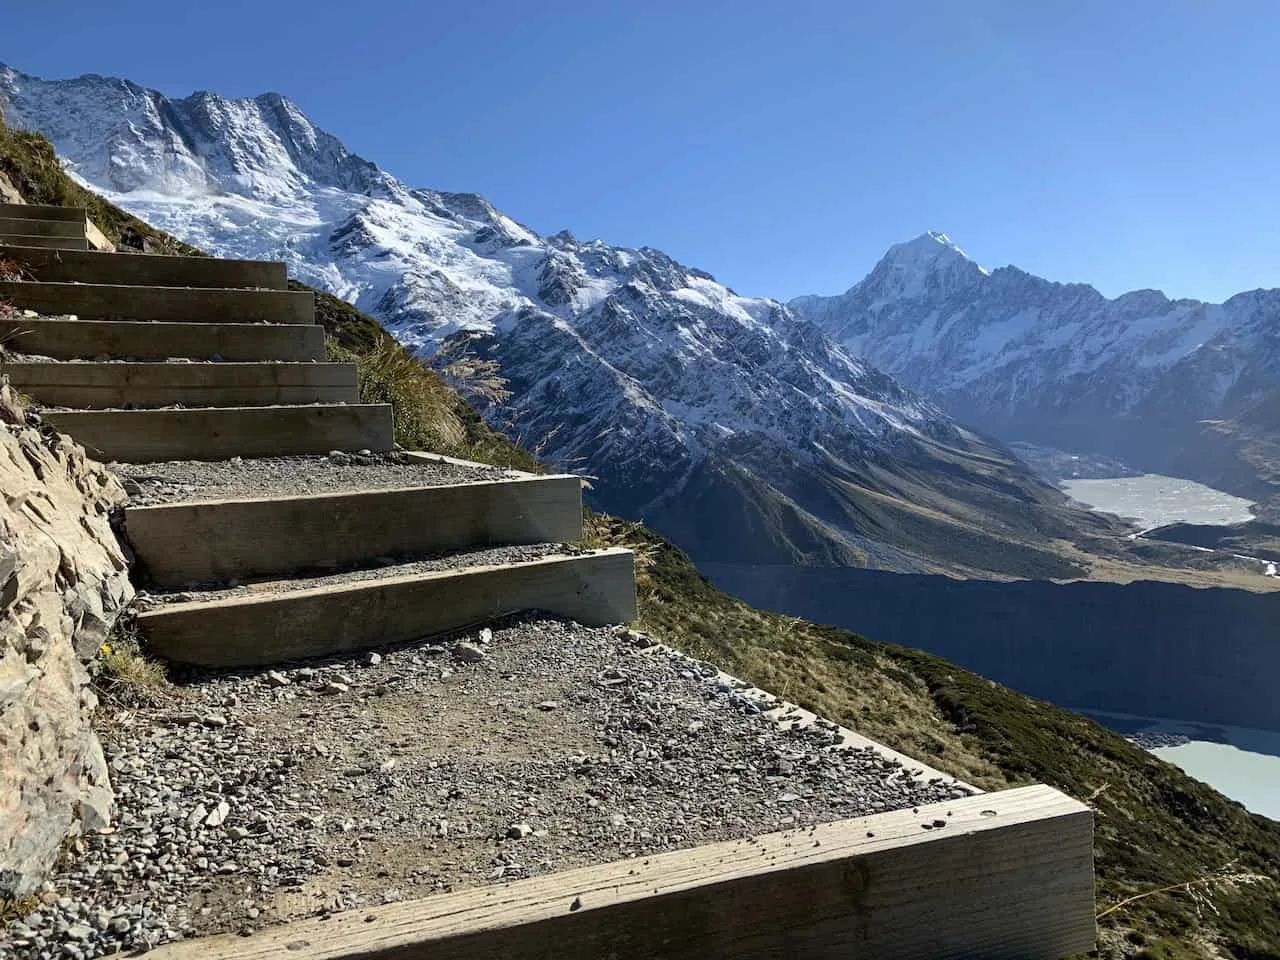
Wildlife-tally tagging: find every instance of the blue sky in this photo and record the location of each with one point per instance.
(780, 145)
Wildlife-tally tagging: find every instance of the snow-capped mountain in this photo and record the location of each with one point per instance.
(728, 422)
(1060, 364)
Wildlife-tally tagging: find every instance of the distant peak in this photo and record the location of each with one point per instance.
(928, 252)
(929, 245)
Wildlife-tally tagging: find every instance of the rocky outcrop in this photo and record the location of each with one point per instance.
(63, 580)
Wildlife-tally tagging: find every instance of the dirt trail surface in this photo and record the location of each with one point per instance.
(179, 481)
(540, 746)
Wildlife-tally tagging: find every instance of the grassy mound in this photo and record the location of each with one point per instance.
(1182, 872)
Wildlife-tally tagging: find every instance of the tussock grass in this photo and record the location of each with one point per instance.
(123, 674)
(429, 414)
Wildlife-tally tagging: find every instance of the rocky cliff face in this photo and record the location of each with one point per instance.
(63, 580)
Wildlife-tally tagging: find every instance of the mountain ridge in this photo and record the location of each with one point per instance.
(624, 363)
(1139, 376)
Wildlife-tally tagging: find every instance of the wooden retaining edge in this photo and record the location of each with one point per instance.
(101, 301)
(596, 589)
(33, 227)
(146, 269)
(1008, 875)
(122, 384)
(42, 211)
(219, 433)
(86, 339)
(74, 244)
(214, 541)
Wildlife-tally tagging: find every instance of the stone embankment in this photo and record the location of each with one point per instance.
(63, 581)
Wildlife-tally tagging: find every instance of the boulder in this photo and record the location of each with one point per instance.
(63, 581)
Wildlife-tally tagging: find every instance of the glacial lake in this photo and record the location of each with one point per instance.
(1238, 762)
(1154, 500)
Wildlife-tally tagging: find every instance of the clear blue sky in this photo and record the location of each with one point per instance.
(780, 145)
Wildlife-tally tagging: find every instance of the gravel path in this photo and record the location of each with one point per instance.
(394, 567)
(176, 481)
(540, 746)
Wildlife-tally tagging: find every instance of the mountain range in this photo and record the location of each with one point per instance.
(1171, 386)
(748, 430)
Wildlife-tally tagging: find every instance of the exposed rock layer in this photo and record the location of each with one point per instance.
(63, 581)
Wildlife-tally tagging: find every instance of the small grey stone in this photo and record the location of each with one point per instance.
(549, 705)
(214, 720)
(373, 659)
(332, 688)
(218, 815)
(469, 653)
(518, 831)
(277, 679)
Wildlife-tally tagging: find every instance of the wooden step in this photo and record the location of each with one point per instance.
(87, 339)
(77, 244)
(222, 540)
(95, 301)
(253, 629)
(146, 269)
(12, 226)
(220, 433)
(42, 211)
(1005, 874)
(113, 385)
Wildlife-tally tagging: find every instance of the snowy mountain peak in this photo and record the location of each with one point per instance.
(922, 266)
(926, 248)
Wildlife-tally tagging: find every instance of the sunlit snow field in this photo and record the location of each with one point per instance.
(1153, 500)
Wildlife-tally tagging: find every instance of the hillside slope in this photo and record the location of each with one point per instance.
(726, 422)
(1140, 377)
(1156, 827)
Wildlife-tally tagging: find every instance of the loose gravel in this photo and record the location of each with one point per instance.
(391, 567)
(255, 797)
(177, 481)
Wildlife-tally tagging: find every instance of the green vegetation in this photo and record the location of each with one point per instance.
(1182, 872)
